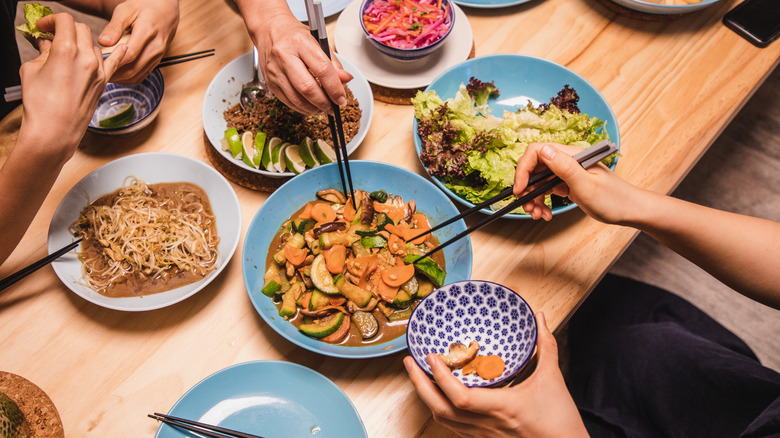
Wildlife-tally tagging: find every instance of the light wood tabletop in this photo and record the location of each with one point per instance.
(673, 83)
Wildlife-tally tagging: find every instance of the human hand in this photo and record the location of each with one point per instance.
(295, 68)
(540, 406)
(61, 87)
(598, 192)
(152, 23)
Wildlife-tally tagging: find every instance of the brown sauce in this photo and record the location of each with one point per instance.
(188, 197)
(387, 330)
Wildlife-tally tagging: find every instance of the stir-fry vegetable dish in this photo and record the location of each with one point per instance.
(344, 274)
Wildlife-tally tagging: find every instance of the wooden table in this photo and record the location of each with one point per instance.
(674, 85)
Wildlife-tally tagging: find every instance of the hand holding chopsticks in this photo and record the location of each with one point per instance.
(586, 158)
(316, 20)
(202, 429)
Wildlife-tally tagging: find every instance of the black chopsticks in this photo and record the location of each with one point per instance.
(204, 429)
(316, 20)
(178, 59)
(18, 275)
(586, 158)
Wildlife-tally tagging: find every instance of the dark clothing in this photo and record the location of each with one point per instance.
(646, 363)
(9, 54)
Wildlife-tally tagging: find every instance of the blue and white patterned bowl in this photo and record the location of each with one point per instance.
(145, 96)
(473, 310)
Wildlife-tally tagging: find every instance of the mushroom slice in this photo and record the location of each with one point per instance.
(367, 216)
(332, 195)
(329, 228)
(460, 354)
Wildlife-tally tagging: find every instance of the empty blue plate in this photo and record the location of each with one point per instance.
(269, 399)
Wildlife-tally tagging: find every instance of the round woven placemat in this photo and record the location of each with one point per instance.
(622, 10)
(37, 407)
(239, 175)
(401, 96)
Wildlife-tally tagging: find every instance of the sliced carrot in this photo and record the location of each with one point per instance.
(406, 233)
(295, 255)
(471, 367)
(387, 292)
(422, 226)
(394, 213)
(336, 300)
(340, 332)
(359, 265)
(490, 367)
(335, 257)
(323, 213)
(349, 211)
(373, 263)
(396, 245)
(398, 275)
(306, 213)
(305, 300)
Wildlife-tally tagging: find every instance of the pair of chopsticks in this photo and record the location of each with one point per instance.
(201, 428)
(18, 275)
(15, 93)
(586, 158)
(316, 21)
(187, 57)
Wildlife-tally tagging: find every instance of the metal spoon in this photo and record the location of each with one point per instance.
(251, 91)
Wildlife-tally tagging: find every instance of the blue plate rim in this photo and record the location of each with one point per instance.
(341, 351)
(232, 368)
(455, 196)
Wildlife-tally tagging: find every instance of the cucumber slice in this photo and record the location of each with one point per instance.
(322, 327)
(427, 267)
(356, 294)
(366, 323)
(321, 277)
(318, 299)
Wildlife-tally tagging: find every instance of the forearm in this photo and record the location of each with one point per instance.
(741, 251)
(257, 13)
(25, 181)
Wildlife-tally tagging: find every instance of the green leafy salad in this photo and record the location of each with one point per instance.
(32, 13)
(475, 153)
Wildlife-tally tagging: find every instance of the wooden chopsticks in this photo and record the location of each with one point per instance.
(586, 158)
(18, 275)
(316, 20)
(204, 429)
(178, 59)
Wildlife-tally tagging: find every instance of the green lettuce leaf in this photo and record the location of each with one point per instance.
(32, 13)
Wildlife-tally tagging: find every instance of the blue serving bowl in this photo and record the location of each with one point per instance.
(520, 78)
(368, 176)
(145, 97)
(496, 317)
(408, 54)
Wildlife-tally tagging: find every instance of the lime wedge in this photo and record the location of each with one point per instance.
(260, 143)
(292, 158)
(307, 153)
(277, 157)
(248, 145)
(266, 158)
(123, 115)
(324, 152)
(234, 141)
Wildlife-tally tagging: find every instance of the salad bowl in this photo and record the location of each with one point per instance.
(367, 176)
(522, 79)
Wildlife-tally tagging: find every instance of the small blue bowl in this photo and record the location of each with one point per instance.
(368, 176)
(495, 316)
(409, 54)
(145, 97)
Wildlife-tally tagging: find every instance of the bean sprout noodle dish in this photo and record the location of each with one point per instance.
(147, 238)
